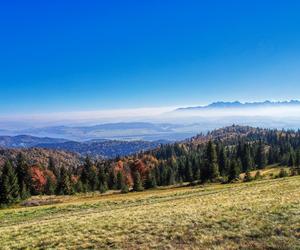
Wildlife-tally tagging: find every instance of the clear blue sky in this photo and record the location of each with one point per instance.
(89, 55)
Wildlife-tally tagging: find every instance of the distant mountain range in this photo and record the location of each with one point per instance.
(174, 125)
(237, 104)
(96, 148)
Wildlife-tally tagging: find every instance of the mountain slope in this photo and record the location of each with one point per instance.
(25, 141)
(106, 149)
(39, 156)
(95, 148)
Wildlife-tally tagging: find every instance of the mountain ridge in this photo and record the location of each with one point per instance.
(238, 104)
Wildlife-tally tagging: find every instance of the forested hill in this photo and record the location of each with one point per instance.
(219, 156)
(231, 134)
(40, 157)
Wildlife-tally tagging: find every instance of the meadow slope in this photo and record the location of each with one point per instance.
(256, 215)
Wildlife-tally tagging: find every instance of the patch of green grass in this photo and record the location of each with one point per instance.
(254, 215)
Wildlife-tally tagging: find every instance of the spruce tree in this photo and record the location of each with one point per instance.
(52, 166)
(212, 161)
(233, 171)
(23, 176)
(137, 182)
(120, 180)
(247, 159)
(89, 176)
(103, 186)
(50, 186)
(150, 181)
(261, 156)
(223, 162)
(9, 187)
(64, 186)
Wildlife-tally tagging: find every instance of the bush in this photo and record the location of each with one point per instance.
(258, 176)
(124, 189)
(282, 173)
(248, 177)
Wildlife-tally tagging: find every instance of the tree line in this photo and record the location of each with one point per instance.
(213, 161)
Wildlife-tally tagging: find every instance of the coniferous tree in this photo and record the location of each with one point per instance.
(9, 187)
(150, 181)
(188, 171)
(212, 163)
(125, 188)
(52, 166)
(233, 171)
(261, 156)
(120, 180)
(103, 186)
(89, 177)
(23, 176)
(171, 177)
(64, 186)
(223, 162)
(137, 182)
(297, 162)
(50, 186)
(292, 161)
(247, 159)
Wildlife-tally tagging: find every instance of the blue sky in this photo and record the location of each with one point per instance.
(90, 55)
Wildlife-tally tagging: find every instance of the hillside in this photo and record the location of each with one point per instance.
(231, 133)
(95, 148)
(38, 156)
(105, 148)
(26, 141)
(256, 215)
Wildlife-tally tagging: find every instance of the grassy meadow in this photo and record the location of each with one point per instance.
(256, 215)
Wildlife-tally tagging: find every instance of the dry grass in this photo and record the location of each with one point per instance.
(256, 215)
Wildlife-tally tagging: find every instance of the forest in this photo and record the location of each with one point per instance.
(217, 157)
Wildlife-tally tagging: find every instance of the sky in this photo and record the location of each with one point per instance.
(77, 56)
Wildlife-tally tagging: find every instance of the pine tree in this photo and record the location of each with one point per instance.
(23, 176)
(137, 182)
(292, 161)
(103, 186)
(112, 180)
(297, 163)
(261, 156)
(171, 177)
(89, 177)
(188, 171)
(64, 186)
(247, 159)
(9, 187)
(212, 161)
(50, 186)
(233, 171)
(120, 180)
(223, 162)
(125, 188)
(52, 166)
(150, 181)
